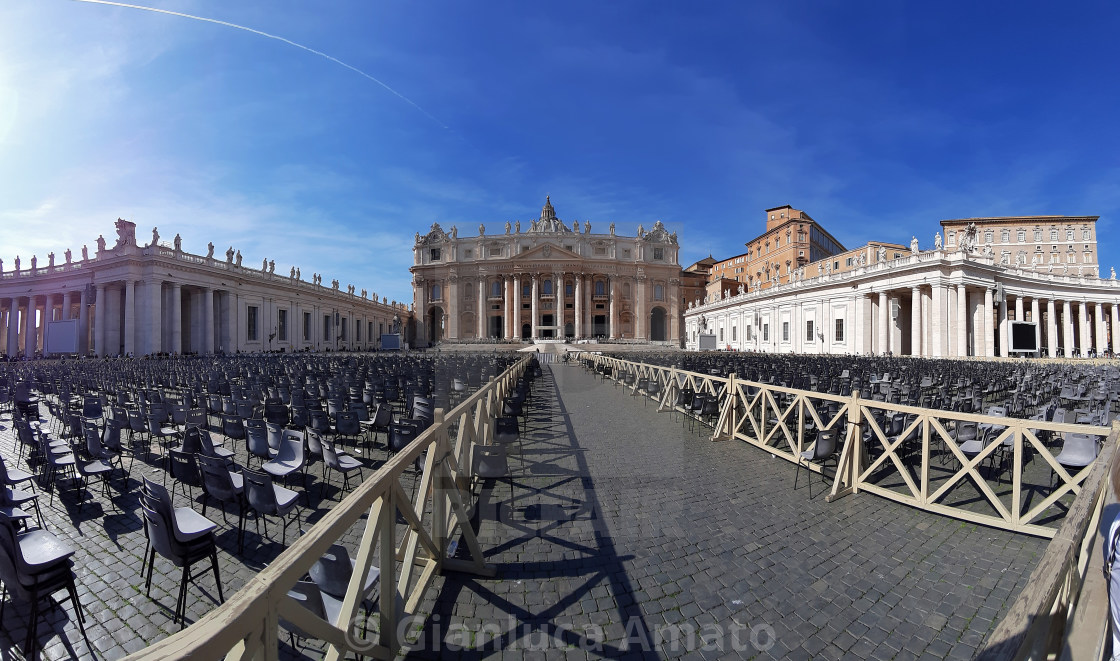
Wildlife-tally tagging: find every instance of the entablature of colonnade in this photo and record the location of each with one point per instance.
(925, 269)
(156, 262)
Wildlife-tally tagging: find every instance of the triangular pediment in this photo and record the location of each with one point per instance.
(546, 252)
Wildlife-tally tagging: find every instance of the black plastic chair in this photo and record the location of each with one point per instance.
(823, 449)
(162, 540)
(268, 499)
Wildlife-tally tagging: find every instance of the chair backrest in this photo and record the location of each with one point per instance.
(93, 440)
(233, 427)
(259, 491)
(346, 422)
(489, 461)
(291, 447)
(160, 498)
(160, 535)
(192, 441)
(216, 479)
(9, 561)
(401, 434)
(330, 456)
(319, 421)
(257, 441)
(315, 442)
(966, 431)
(506, 429)
(275, 434)
(185, 469)
(382, 416)
(826, 444)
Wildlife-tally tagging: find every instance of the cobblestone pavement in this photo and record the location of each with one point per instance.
(631, 536)
(628, 536)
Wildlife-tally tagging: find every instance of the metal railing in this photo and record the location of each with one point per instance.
(247, 626)
(921, 465)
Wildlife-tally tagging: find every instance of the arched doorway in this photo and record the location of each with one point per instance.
(569, 330)
(526, 332)
(657, 326)
(435, 324)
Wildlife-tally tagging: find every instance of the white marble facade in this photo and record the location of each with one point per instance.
(937, 303)
(547, 281)
(139, 299)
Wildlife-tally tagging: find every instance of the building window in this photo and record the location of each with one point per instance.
(836, 265)
(950, 238)
(546, 288)
(747, 333)
(734, 333)
(1069, 235)
(251, 332)
(306, 326)
(765, 332)
(1005, 236)
(357, 331)
(327, 327)
(282, 325)
(1088, 258)
(785, 331)
(600, 250)
(495, 289)
(468, 253)
(526, 291)
(1038, 235)
(721, 334)
(1085, 234)
(809, 330)
(988, 237)
(1021, 236)
(659, 292)
(495, 251)
(342, 328)
(659, 253)
(848, 262)
(1053, 235)
(569, 289)
(436, 293)
(434, 252)
(600, 288)
(1071, 258)
(838, 334)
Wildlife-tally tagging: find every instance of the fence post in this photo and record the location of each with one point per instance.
(851, 457)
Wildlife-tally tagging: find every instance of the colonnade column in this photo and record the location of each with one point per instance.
(208, 322)
(83, 322)
(1115, 328)
(937, 321)
(577, 291)
(915, 321)
(516, 306)
(1037, 325)
(176, 334)
(884, 320)
(100, 320)
(13, 327)
(29, 328)
(67, 303)
(962, 321)
(1051, 328)
(558, 304)
(989, 329)
(129, 329)
(1101, 341)
(533, 302)
(1067, 328)
(1083, 327)
(1003, 345)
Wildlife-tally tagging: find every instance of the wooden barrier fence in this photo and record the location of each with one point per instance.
(899, 463)
(247, 626)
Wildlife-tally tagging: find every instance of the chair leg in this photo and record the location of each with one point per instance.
(217, 578)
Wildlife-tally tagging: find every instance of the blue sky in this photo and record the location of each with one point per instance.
(877, 118)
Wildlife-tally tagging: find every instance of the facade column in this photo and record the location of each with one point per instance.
(67, 303)
(129, 317)
(1003, 345)
(558, 304)
(516, 306)
(950, 321)
(155, 317)
(640, 332)
(883, 345)
(1083, 327)
(856, 325)
(230, 341)
(1018, 308)
(577, 292)
(83, 322)
(1067, 328)
(453, 307)
(481, 325)
(1037, 325)
(176, 333)
(1051, 328)
(29, 334)
(1100, 342)
(915, 321)
(962, 321)
(536, 294)
(612, 291)
(989, 330)
(208, 321)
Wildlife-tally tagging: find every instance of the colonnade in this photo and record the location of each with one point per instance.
(958, 320)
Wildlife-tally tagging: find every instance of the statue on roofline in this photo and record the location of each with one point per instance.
(68, 256)
(210, 250)
(85, 253)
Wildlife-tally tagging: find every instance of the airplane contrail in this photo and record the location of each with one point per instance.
(270, 36)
